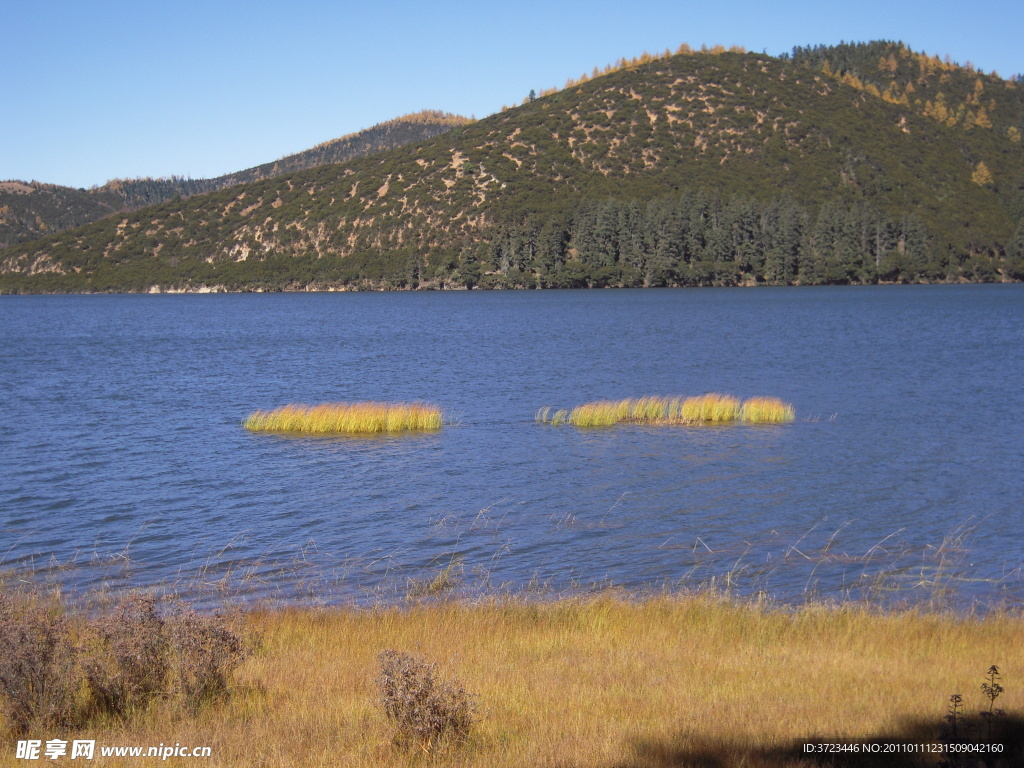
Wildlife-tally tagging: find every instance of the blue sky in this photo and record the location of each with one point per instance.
(95, 89)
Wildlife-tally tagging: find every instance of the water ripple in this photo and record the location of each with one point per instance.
(124, 461)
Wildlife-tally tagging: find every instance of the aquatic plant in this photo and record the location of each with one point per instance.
(643, 410)
(599, 414)
(545, 416)
(346, 418)
(766, 410)
(711, 408)
(561, 416)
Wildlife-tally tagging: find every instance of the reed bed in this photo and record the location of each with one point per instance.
(346, 418)
(766, 410)
(711, 408)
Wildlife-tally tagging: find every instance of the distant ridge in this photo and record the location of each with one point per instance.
(407, 129)
(858, 163)
(29, 210)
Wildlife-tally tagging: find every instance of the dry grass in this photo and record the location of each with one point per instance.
(604, 681)
(712, 408)
(346, 418)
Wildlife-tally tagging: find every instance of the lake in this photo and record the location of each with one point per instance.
(124, 463)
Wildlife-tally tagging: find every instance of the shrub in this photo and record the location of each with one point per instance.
(55, 671)
(204, 652)
(125, 660)
(423, 707)
(37, 663)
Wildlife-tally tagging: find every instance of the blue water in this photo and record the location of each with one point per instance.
(124, 463)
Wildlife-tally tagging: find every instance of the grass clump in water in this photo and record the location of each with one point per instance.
(766, 410)
(599, 414)
(346, 418)
(711, 408)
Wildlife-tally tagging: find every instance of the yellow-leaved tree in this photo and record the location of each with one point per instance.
(982, 175)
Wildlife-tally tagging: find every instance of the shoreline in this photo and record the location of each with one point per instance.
(156, 290)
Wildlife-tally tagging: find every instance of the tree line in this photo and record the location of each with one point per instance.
(697, 239)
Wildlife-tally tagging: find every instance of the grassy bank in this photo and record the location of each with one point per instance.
(601, 681)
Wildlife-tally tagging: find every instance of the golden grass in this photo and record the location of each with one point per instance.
(600, 414)
(346, 418)
(602, 681)
(766, 410)
(712, 408)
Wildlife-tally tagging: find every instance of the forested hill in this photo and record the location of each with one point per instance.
(29, 210)
(700, 168)
(407, 129)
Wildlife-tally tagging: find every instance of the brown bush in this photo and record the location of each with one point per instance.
(38, 676)
(126, 658)
(204, 651)
(55, 671)
(423, 707)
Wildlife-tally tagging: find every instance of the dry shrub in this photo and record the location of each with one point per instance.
(55, 671)
(423, 707)
(126, 660)
(37, 663)
(136, 654)
(204, 651)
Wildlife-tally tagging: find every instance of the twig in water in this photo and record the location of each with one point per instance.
(879, 544)
(832, 538)
(613, 506)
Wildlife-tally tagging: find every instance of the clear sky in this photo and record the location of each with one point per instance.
(96, 89)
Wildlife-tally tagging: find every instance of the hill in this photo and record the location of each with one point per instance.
(29, 210)
(700, 168)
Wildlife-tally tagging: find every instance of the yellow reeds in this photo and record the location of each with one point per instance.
(766, 410)
(346, 418)
(712, 408)
(600, 414)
